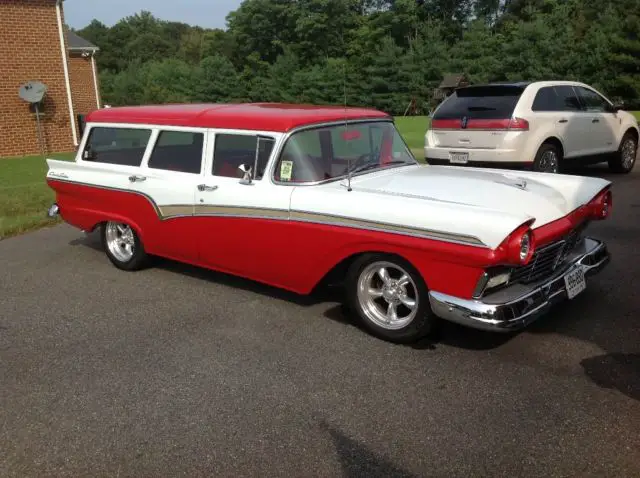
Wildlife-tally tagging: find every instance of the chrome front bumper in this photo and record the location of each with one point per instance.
(518, 305)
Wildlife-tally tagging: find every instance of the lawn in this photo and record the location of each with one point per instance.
(25, 197)
(24, 194)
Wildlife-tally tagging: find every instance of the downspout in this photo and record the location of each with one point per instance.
(67, 81)
(95, 78)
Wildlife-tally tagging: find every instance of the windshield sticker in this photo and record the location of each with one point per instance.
(285, 170)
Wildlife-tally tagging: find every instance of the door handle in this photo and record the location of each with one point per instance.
(595, 120)
(133, 178)
(204, 187)
(563, 121)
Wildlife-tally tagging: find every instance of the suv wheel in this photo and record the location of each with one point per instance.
(547, 159)
(625, 157)
(390, 298)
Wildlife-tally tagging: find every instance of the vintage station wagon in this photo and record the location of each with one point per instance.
(295, 196)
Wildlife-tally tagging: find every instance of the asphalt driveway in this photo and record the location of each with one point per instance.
(178, 371)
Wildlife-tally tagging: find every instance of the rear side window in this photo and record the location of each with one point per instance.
(556, 98)
(480, 102)
(122, 146)
(178, 151)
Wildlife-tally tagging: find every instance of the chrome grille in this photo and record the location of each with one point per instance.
(547, 259)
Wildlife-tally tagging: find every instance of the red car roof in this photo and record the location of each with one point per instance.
(251, 116)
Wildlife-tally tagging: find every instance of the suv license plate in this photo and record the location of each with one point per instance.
(459, 158)
(575, 282)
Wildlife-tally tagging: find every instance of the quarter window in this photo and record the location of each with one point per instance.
(178, 151)
(233, 150)
(123, 146)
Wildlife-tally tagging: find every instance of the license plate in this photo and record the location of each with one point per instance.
(459, 158)
(575, 283)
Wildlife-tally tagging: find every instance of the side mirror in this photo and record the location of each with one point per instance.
(246, 175)
(617, 107)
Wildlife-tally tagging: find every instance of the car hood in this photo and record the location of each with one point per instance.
(467, 205)
(545, 197)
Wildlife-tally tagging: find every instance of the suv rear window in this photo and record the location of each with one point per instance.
(480, 102)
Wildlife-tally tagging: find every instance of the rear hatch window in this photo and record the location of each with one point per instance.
(487, 107)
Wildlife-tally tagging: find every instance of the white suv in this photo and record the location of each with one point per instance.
(541, 125)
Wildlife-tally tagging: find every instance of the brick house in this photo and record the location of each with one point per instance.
(36, 45)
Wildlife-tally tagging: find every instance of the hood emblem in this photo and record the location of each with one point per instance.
(522, 184)
(464, 122)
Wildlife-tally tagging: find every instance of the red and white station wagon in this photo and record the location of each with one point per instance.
(294, 196)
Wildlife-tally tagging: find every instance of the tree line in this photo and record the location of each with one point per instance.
(379, 53)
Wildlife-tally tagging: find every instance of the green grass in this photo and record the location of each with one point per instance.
(24, 194)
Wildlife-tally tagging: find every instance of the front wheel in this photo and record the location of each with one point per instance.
(390, 298)
(123, 246)
(625, 157)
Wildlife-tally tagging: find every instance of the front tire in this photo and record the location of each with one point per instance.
(123, 246)
(390, 298)
(625, 157)
(547, 159)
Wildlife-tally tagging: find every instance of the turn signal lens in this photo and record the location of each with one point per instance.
(518, 248)
(601, 205)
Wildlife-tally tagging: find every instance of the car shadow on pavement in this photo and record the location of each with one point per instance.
(615, 371)
(356, 460)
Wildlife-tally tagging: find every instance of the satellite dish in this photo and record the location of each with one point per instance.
(33, 91)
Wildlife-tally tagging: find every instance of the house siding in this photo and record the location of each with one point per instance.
(30, 50)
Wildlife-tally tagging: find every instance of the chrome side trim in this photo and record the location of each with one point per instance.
(172, 211)
(304, 216)
(516, 306)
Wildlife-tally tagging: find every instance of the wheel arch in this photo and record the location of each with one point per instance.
(336, 273)
(555, 141)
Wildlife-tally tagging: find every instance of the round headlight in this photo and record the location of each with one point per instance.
(525, 246)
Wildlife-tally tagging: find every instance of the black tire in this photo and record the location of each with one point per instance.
(423, 321)
(620, 163)
(139, 257)
(548, 159)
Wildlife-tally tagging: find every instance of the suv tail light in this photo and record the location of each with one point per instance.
(600, 206)
(509, 124)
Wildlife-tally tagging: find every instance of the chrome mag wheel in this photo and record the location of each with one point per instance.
(549, 161)
(628, 153)
(120, 240)
(387, 295)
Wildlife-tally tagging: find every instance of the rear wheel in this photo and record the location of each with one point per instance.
(123, 246)
(390, 298)
(547, 159)
(625, 157)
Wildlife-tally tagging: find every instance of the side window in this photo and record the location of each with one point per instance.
(547, 100)
(568, 100)
(233, 150)
(593, 101)
(178, 151)
(123, 146)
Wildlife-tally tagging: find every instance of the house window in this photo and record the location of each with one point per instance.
(122, 146)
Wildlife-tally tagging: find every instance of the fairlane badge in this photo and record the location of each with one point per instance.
(464, 122)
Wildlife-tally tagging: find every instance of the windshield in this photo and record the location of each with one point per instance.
(330, 152)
